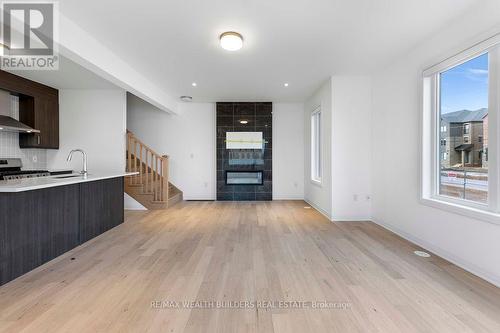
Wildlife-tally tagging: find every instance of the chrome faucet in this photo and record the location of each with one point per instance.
(84, 172)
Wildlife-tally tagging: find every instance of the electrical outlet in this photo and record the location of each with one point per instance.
(355, 197)
(35, 158)
(206, 184)
(368, 197)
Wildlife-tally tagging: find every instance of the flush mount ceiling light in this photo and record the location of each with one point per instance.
(231, 41)
(194, 84)
(244, 122)
(286, 84)
(186, 98)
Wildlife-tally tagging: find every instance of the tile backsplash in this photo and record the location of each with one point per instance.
(9, 145)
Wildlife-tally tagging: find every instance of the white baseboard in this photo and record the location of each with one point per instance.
(352, 219)
(202, 197)
(339, 219)
(468, 266)
(288, 197)
(323, 212)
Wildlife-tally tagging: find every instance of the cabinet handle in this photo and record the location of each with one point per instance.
(38, 138)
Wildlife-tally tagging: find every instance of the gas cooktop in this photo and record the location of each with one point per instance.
(10, 168)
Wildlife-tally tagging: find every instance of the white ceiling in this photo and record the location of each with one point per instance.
(68, 76)
(302, 42)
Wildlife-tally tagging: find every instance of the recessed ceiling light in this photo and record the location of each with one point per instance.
(194, 84)
(186, 98)
(231, 41)
(286, 84)
(243, 122)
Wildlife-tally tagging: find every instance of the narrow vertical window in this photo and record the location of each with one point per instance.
(316, 169)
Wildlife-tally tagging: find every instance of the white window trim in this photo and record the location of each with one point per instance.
(316, 181)
(429, 132)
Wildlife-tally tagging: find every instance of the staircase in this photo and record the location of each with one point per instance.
(151, 187)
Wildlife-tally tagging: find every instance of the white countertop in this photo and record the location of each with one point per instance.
(28, 184)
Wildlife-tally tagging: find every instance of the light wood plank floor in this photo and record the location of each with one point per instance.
(269, 251)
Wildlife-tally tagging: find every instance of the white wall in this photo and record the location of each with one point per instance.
(351, 148)
(346, 109)
(95, 121)
(470, 243)
(131, 204)
(288, 155)
(319, 196)
(188, 138)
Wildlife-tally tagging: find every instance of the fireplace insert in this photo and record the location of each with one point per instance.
(244, 178)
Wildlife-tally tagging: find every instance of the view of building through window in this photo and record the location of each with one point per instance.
(463, 149)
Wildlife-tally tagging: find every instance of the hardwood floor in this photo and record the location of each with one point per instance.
(129, 278)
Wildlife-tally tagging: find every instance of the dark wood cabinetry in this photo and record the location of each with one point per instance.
(94, 219)
(41, 113)
(37, 226)
(38, 108)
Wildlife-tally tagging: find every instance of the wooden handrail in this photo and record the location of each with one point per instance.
(152, 168)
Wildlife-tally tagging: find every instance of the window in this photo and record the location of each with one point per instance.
(466, 126)
(462, 92)
(463, 99)
(316, 146)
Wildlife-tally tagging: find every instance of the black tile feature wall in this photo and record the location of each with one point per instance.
(260, 119)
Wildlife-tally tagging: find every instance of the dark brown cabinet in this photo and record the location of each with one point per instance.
(38, 108)
(39, 225)
(35, 227)
(95, 218)
(41, 113)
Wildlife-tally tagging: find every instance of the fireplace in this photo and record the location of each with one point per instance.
(244, 178)
(244, 151)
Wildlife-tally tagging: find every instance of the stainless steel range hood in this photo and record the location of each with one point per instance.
(7, 123)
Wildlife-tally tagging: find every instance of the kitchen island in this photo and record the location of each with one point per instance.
(42, 218)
